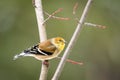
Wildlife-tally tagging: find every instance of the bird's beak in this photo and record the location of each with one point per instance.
(65, 41)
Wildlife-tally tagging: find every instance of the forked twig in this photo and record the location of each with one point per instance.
(86, 23)
(59, 10)
(55, 17)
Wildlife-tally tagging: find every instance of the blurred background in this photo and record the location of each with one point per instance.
(98, 49)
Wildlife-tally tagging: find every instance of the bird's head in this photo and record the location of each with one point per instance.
(59, 42)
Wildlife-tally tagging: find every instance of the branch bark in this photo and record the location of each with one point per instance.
(42, 34)
(72, 42)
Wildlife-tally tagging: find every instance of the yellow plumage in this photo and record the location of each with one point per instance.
(45, 50)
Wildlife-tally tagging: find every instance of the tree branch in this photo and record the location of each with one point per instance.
(72, 42)
(42, 34)
(95, 25)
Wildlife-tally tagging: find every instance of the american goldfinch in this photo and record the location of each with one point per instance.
(45, 50)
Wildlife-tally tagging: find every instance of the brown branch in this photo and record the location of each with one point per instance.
(86, 23)
(75, 8)
(95, 25)
(59, 10)
(71, 61)
(55, 17)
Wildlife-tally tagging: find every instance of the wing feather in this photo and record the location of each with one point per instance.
(47, 46)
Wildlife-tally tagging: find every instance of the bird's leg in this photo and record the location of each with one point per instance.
(45, 62)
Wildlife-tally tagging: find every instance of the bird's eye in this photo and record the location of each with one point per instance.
(60, 40)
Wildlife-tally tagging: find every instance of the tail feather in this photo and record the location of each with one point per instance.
(29, 52)
(19, 55)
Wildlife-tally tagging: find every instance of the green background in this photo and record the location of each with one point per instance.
(98, 49)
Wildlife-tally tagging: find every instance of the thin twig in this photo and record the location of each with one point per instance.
(92, 24)
(55, 17)
(42, 34)
(71, 61)
(59, 10)
(86, 23)
(72, 42)
(75, 8)
(74, 12)
(95, 25)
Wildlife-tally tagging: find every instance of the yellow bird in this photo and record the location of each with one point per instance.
(45, 50)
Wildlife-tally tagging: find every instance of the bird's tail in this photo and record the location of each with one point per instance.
(19, 55)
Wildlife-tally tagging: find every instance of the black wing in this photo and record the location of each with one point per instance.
(35, 50)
